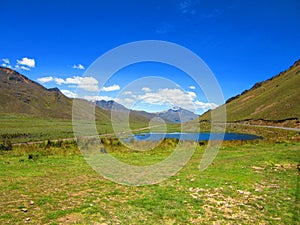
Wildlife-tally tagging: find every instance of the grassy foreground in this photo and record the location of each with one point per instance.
(248, 183)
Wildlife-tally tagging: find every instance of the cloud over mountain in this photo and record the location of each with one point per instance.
(25, 63)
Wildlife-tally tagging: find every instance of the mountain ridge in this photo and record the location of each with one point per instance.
(20, 95)
(273, 100)
(174, 115)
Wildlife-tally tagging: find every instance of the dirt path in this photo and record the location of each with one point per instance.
(266, 126)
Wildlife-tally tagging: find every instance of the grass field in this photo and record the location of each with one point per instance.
(27, 129)
(248, 183)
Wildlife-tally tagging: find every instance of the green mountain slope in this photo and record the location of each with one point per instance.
(276, 99)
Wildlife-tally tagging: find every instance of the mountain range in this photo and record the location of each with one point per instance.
(20, 95)
(276, 100)
(174, 115)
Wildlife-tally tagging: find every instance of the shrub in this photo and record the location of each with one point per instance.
(6, 145)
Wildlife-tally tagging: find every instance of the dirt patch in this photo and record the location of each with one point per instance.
(247, 98)
(235, 207)
(261, 108)
(70, 219)
(280, 123)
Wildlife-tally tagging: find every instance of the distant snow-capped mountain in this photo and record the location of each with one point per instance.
(174, 115)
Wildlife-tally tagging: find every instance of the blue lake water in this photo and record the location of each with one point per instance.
(195, 136)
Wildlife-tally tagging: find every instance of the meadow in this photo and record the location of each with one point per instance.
(250, 182)
(16, 128)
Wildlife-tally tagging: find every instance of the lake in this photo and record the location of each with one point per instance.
(203, 136)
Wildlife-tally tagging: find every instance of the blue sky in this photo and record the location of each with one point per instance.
(242, 42)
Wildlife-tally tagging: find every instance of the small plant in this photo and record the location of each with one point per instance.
(33, 156)
(6, 145)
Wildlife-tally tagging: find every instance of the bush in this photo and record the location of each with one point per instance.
(6, 145)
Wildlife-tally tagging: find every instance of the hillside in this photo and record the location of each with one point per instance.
(110, 105)
(274, 100)
(20, 95)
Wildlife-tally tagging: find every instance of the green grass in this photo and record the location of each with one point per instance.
(18, 128)
(249, 183)
(21, 129)
(26, 129)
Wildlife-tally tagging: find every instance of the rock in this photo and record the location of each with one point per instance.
(24, 209)
(257, 168)
(31, 202)
(27, 219)
(244, 192)
(258, 190)
(240, 192)
(276, 218)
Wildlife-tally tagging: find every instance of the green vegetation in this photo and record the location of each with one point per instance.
(17, 128)
(24, 129)
(275, 100)
(49, 182)
(249, 182)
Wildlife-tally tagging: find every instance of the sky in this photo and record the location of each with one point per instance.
(242, 42)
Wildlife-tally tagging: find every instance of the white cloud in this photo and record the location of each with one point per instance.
(26, 62)
(192, 87)
(175, 97)
(162, 98)
(169, 97)
(89, 84)
(114, 87)
(6, 65)
(24, 68)
(79, 66)
(59, 81)
(205, 106)
(72, 86)
(73, 80)
(98, 98)
(127, 93)
(191, 94)
(86, 83)
(6, 61)
(146, 89)
(45, 79)
(128, 100)
(69, 94)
